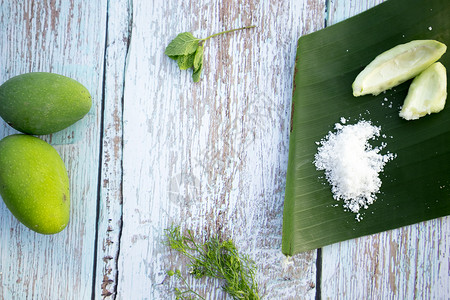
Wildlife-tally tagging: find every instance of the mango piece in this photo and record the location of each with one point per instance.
(397, 65)
(43, 103)
(34, 183)
(427, 93)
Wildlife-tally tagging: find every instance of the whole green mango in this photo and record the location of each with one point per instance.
(42, 103)
(34, 183)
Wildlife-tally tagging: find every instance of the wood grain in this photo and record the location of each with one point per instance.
(211, 156)
(110, 205)
(406, 263)
(55, 36)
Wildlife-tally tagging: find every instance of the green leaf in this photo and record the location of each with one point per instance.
(197, 73)
(185, 61)
(183, 44)
(416, 184)
(198, 59)
(187, 51)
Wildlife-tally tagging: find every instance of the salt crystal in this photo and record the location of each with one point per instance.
(352, 165)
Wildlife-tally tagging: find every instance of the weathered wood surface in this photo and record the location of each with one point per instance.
(158, 149)
(110, 194)
(68, 38)
(212, 155)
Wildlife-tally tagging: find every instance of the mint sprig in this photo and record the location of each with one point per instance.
(187, 50)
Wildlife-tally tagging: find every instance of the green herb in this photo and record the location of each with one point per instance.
(186, 293)
(187, 50)
(216, 259)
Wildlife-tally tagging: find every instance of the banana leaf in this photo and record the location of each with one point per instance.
(416, 184)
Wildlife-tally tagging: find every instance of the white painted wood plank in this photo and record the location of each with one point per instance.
(339, 10)
(65, 37)
(211, 156)
(407, 263)
(110, 210)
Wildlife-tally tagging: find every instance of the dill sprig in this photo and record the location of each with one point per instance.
(215, 259)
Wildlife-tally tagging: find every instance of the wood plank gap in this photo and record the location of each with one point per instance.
(327, 13)
(110, 218)
(318, 273)
(127, 52)
(100, 159)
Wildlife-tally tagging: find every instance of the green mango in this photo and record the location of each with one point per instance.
(43, 103)
(34, 183)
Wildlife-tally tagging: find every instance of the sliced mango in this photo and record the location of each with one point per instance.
(397, 65)
(427, 93)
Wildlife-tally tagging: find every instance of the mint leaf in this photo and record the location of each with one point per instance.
(197, 73)
(198, 59)
(187, 50)
(185, 61)
(183, 44)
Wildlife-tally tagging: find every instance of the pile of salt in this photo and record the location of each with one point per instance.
(351, 164)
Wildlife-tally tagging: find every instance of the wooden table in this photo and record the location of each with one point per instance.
(158, 149)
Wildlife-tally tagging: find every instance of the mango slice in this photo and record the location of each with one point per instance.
(397, 65)
(427, 93)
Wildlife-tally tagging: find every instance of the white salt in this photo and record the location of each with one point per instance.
(352, 165)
